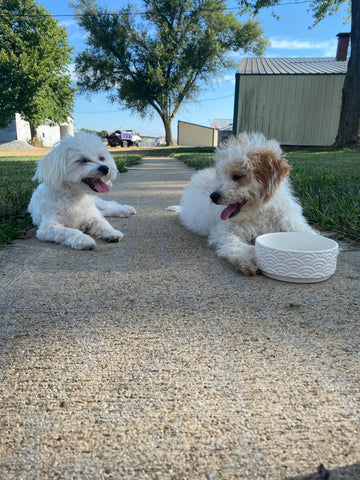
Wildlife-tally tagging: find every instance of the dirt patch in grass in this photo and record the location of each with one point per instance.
(34, 152)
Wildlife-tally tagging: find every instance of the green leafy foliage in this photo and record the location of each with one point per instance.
(152, 62)
(320, 8)
(34, 60)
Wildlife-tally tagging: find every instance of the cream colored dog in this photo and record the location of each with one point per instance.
(64, 206)
(246, 195)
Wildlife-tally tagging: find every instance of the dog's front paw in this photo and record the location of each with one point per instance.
(247, 267)
(241, 255)
(113, 237)
(82, 243)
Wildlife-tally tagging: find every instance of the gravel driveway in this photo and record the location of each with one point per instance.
(155, 359)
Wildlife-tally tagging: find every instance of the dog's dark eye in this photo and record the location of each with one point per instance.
(84, 160)
(102, 159)
(237, 178)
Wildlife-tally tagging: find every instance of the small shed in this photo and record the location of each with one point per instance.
(192, 135)
(295, 100)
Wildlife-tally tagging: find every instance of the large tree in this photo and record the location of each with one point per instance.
(152, 59)
(34, 60)
(349, 124)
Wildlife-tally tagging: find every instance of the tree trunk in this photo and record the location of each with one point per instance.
(349, 124)
(35, 141)
(168, 133)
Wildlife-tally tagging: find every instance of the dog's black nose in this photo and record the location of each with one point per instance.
(103, 169)
(215, 197)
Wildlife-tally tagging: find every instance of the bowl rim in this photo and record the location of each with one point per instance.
(333, 245)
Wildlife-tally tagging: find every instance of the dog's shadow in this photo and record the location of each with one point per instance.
(349, 472)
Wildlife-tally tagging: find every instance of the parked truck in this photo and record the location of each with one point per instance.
(123, 138)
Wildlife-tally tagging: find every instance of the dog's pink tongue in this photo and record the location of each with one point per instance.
(100, 186)
(228, 211)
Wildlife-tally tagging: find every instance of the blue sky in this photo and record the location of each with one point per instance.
(290, 37)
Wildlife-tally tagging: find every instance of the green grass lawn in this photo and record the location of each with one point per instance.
(326, 183)
(328, 186)
(16, 187)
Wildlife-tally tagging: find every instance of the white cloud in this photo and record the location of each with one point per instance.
(323, 48)
(224, 78)
(68, 23)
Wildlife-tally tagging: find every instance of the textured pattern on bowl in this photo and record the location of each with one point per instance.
(315, 263)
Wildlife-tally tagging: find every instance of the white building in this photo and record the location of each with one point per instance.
(19, 129)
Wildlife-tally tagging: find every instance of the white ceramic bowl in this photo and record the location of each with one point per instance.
(296, 257)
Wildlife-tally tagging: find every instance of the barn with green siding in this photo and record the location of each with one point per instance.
(294, 100)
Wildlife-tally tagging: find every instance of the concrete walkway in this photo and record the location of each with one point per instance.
(155, 359)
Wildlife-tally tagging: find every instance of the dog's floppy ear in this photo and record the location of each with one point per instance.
(51, 169)
(269, 168)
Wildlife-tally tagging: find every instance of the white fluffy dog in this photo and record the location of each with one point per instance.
(246, 195)
(63, 206)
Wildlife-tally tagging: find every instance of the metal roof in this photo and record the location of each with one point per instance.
(292, 66)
